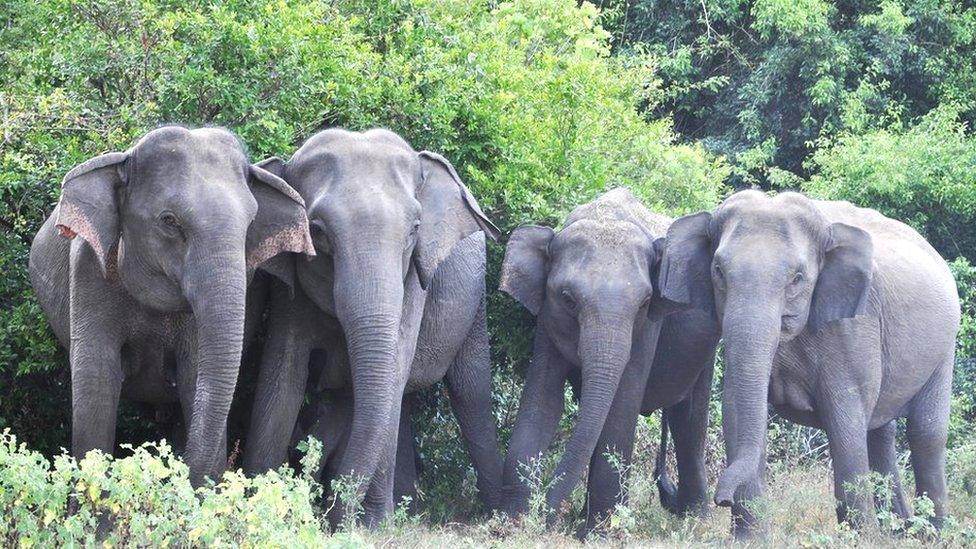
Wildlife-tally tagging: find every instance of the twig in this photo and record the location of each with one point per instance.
(708, 25)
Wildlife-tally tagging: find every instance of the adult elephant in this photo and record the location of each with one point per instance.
(602, 326)
(394, 301)
(149, 300)
(841, 318)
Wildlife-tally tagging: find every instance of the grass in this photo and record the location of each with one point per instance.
(798, 511)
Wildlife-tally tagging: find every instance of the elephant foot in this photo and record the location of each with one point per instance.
(667, 492)
(515, 503)
(859, 518)
(591, 529)
(694, 506)
(745, 525)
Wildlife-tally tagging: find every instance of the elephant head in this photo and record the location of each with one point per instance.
(768, 269)
(382, 217)
(592, 287)
(182, 219)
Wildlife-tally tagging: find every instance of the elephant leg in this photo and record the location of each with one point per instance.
(846, 427)
(469, 384)
(540, 408)
(405, 479)
(610, 463)
(688, 423)
(683, 364)
(281, 382)
(882, 459)
(332, 428)
(327, 418)
(96, 384)
(928, 427)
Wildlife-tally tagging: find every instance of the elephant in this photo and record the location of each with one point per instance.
(842, 319)
(142, 271)
(602, 326)
(393, 302)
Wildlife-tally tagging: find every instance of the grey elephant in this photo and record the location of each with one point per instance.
(603, 327)
(142, 270)
(393, 302)
(841, 318)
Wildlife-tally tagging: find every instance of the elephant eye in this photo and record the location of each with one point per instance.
(719, 274)
(170, 223)
(320, 236)
(794, 288)
(415, 227)
(316, 228)
(568, 300)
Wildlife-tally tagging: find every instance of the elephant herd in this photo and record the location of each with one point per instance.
(372, 260)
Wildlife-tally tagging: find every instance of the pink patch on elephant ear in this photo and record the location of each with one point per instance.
(294, 238)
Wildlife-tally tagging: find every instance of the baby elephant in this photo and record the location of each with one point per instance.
(841, 318)
(601, 326)
(149, 298)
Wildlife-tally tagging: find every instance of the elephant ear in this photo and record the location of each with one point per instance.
(449, 213)
(89, 204)
(526, 266)
(280, 225)
(273, 165)
(845, 277)
(684, 277)
(660, 307)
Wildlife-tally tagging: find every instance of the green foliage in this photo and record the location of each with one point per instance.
(146, 499)
(790, 19)
(924, 176)
(737, 73)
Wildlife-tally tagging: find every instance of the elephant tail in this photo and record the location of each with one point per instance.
(667, 491)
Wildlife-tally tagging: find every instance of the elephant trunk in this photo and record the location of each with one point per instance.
(604, 349)
(751, 333)
(369, 305)
(216, 296)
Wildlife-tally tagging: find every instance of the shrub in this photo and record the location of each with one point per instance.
(146, 499)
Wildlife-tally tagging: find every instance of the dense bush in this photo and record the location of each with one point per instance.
(761, 81)
(146, 499)
(924, 175)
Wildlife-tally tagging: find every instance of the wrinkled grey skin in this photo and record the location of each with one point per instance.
(328, 418)
(600, 326)
(394, 300)
(148, 295)
(846, 320)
